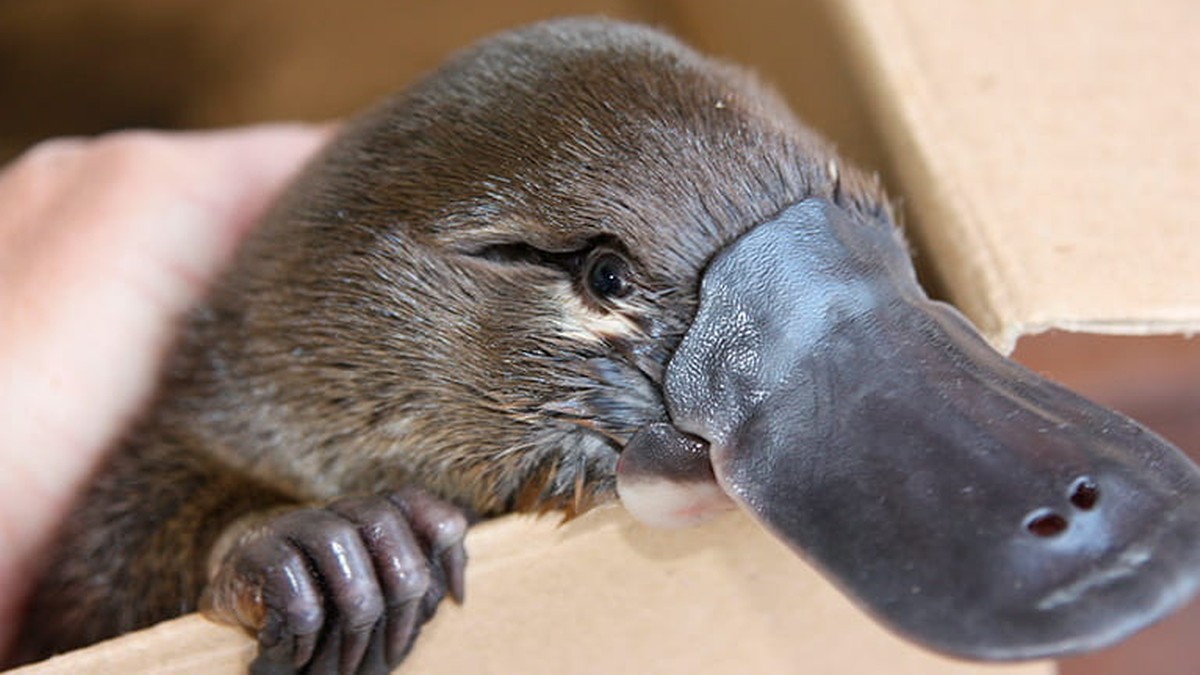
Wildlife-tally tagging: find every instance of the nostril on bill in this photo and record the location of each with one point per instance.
(1085, 493)
(1046, 523)
(1043, 522)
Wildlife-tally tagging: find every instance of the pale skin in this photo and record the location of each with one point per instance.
(104, 244)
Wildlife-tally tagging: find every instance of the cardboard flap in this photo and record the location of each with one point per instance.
(1049, 154)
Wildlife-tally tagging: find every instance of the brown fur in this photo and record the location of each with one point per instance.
(396, 319)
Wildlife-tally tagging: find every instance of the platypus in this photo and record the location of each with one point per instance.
(581, 257)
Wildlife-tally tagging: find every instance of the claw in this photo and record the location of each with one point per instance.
(402, 628)
(454, 565)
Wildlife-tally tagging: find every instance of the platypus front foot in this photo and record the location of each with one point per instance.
(339, 589)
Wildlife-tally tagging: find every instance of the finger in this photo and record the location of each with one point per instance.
(375, 660)
(104, 244)
(284, 607)
(337, 551)
(403, 625)
(327, 660)
(442, 527)
(400, 565)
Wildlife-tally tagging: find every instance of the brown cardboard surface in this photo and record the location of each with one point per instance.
(1050, 153)
(600, 595)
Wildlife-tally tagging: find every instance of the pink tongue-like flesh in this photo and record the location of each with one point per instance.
(666, 480)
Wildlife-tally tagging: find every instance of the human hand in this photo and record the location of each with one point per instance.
(104, 244)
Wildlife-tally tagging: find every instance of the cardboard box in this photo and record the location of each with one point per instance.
(1046, 154)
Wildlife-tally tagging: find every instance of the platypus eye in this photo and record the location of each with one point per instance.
(597, 270)
(607, 275)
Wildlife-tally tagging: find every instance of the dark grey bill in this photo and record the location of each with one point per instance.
(968, 503)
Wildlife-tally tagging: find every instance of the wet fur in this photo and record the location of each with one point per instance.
(410, 312)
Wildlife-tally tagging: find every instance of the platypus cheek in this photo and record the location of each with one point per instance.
(962, 499)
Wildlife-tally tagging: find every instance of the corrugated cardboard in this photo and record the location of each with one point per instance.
(1046, 152)
(1049, 153)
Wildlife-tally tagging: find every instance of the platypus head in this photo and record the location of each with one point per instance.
(483, 279)
(582, 240)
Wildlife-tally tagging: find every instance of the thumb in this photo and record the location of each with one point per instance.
(103, 245)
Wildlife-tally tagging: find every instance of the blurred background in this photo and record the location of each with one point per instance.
(85, 66)
(82, 67)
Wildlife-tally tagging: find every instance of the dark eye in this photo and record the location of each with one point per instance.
(607, 275)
